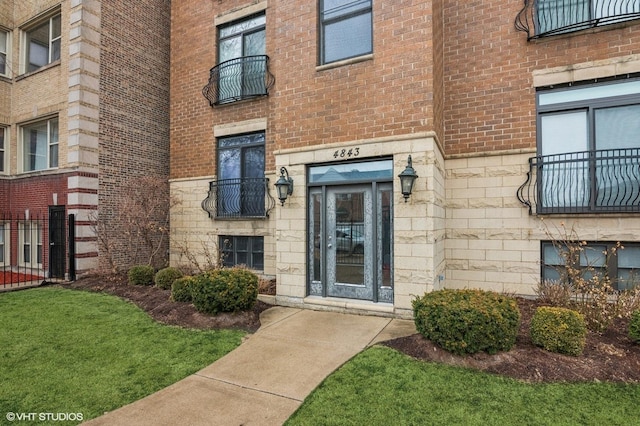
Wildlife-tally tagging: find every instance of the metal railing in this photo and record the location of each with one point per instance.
(542, 18)
(239, 198)
(238, 79)
(602, 181)
(29, 255)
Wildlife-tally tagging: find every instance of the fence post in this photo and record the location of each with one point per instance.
(72, 247)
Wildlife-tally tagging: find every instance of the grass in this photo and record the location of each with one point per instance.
(66, 351)
(381, 386)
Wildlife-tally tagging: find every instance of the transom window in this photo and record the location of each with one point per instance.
(623, 266)
(248, 251)
(40, 145)
(42, 43)
(346, 29)
(588, 148)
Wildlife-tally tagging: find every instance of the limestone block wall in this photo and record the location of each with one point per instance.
(194, 235)
(491, 240)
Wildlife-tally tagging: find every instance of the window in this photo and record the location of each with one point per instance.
(241, 184)
(3, 139)
(42, 43)
(4, 243)
(30, 242)
(623, 267)
(4, 52)
(588, 148)
(346, 29)
(241, 50)
(248, 251)
(40, 145)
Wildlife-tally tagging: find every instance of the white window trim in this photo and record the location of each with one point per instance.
(5, 149)
(7, 52)
(36, 239)
(25, 29)
(6, 243)
(21, 147)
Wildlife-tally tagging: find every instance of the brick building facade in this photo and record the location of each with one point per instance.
(83, 111)
(343, 96)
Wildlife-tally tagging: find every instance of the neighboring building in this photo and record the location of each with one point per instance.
(339, 94)
(83, 111)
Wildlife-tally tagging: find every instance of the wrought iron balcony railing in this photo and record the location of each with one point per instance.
(239, 198)
(604, 181)
(542, 18)
(237, 79)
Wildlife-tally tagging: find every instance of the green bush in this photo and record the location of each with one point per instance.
(225, 290)
(165, 277)
(559, 330)
(141, 275)
(467, 321)
(181, 289)
(634, 326)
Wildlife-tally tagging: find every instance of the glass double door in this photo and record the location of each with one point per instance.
(351, 233)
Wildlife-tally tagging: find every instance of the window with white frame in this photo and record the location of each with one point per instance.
(30, 243)
(346, 29)
(42, 43)
(3, 149)
(4, 52)
(40, 145)
(4, 243)
(588, 148)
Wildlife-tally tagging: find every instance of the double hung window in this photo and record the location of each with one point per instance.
(589, 149)
(241, 184)
(30, 241)
(4, 52)
(42, 43)
(241, 59)
(3, 149)
(346, 29)
(40, 145)
(4, 243)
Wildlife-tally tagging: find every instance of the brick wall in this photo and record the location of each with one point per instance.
(489, 96)
(134, 107)
(306, 106)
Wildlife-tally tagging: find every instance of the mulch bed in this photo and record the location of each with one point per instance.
(608, 357)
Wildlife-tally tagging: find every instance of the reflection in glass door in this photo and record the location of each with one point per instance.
(350, 241)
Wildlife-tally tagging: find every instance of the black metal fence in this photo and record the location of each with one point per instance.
(602, 181)
(36, 248)
(237, 79)
(541, 18)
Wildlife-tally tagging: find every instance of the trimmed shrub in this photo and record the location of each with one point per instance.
(181, 289)
(141, 275)
(225, 290)
(634, 326)
(559, 330)
(165, 277)
(467, 321)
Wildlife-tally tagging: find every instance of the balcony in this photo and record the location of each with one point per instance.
(543, 18)
(239, 198)
(239, 79)
(604, 181)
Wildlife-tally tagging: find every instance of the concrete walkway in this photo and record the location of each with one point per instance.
(265, 379)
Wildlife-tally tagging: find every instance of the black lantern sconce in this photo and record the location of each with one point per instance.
(407, 178)
(284, 185)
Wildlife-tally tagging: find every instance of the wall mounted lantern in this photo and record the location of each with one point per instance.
(407, 178)
(284, 185)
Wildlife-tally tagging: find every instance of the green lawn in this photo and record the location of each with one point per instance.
(66, 351)
(382, 387)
